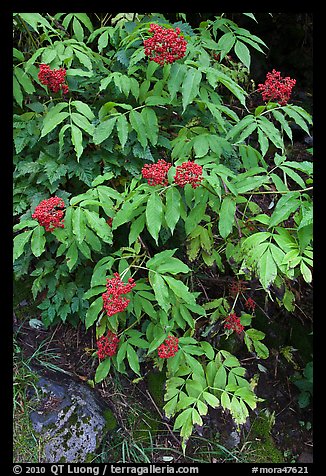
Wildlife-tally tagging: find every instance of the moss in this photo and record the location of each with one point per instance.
(110, 420)
(262, 446)
(155, 382)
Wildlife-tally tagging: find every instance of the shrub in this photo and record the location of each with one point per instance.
(143, 159)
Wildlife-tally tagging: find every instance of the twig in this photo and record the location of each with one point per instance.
(159, 412)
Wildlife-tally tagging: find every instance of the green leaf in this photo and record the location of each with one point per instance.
(99, 225)
(267, 269)
(242, 53)
(133, 359)
(173, 266)
(286, 205)
(172, 207)
(220, 378)
(154, 215)
(81, 121)
(19, 243)
(160, 290)
(138, 125)
(93, 311)
(306, 273)
(79, 224)
(38, 241)
(50, 122)
(176, 77)
(72, 256)
(190, 86)
(24, 80)
(18, 95)
(261, 349)
(227, 216)
(208, 349)
(102, 370)
(103, 130)
(182, 418)
(225, 43)
(179, 289)
(136, 228)
(211, 399)
(84, 109)
(149, 119)
(78, 30)
(77, 140)
(122, 129)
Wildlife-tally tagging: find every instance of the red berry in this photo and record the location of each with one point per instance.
(188, 172)
(169, 347)
(276, 88)
(165, 46)
(49, 213)
(156, 174)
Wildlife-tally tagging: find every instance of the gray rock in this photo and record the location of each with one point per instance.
(69, 419)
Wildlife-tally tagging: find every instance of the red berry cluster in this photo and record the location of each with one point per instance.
(107, 345)
(156, 174)
(237, 287)
(276, 88)
(49, 213)
(54, 79)
(233, 322)
(250, 304)
(169, 347)
(165, 46)
(188, 172)
(112, 300)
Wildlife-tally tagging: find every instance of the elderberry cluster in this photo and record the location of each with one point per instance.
(188, 172)
(276, 88)
(54, 79)
(233, 322)
(49, 213)
(169, 347)
(165, 46)
(107, 345)
(112, 300)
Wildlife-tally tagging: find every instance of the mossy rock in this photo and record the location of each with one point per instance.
(70, 420)
(262, 445)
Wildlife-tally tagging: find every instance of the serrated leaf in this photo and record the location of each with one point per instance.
(122, 129)
(102, 370)
(243, 53)
(211, 399)
(79, 224)
(133, 359)
(176, 77)
(190, 86)
(154, 215)
(172, 207)
(77, 140)
(160, 290)
(93, 311)
(38, 241)
(227, 216)
(173, 266)
(267, 269)
(149, 119)
(138, 125)
(104, 130)
(19, 243)
(50, 123)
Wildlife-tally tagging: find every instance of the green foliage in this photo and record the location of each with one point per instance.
(89, 147)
